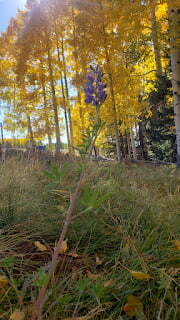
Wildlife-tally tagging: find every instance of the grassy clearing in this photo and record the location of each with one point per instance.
(127, 220)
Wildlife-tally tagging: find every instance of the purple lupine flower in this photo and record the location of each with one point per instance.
(90, 77)
(95, 89)
(88, 99)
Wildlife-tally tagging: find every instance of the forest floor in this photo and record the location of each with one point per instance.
(122, 255)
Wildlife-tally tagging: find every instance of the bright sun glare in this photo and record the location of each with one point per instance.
(22, 2)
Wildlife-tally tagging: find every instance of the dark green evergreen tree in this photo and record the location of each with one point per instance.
(160, 128)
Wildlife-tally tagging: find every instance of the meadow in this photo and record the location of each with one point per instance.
(120, 256)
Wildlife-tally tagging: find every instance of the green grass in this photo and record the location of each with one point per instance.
(126, 216)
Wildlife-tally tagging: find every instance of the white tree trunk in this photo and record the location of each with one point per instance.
(133, 146)
(174, 17)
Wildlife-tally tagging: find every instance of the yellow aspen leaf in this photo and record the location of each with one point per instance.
(108, 283)
(177, 244)
(40, 246)
(17, 315)
(93, 276)
(74, 255)
(99, 261)
(3, 281)
(133, 307)
(140, 275)
(64, 247)
(3, 284)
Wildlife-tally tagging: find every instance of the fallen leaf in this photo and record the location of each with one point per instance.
(17, 315)
(40, 246)
(64, 247)
(108, 283)
(133, 307)
(140, 275)
(93, 276)
(74, 255)
(99, 261)
(3, 284)
(177, 244)
(3, 281)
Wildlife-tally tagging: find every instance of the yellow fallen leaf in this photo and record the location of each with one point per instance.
(140, 275)
(40, 246)
(64, 247)
(108, 283)
(17, 315)
(99, 261)
(177, 244)
(3, 281)
(93, 276)
(133, 307)
(74, 255)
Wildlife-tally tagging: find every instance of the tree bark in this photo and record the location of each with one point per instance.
(30, 130)
(76, 70)
(142, 141)
(64, 97)
(133, 146)
(54, 100)
(107, 57)
(174, 20)
(48, 129)
(67, 92)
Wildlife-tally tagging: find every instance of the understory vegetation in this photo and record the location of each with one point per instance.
(120, 256)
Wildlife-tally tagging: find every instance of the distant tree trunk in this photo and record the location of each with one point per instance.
(2, 134)
(67, 92)
(55, 106)
(133, 145)
(48, 129)
(30, 131)
(65, 115)
(76, 68)
(63, 96)
(156, 43)
(129, 145)
(122, 146)
(174, 20)
(126, 148)
(142, 140)
(108, 62)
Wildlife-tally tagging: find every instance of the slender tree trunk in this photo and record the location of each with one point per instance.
(126, 149)
(121, 145)
(67, 92)
(76, 68)
(107, 57)
(156, 43)
(129, 145)
(2, 134)
(142, 140)
(174, 20)
(66, 116)
(48, 129)
(133, 146)
(64, 97)
(55, 106)
(30, 131)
